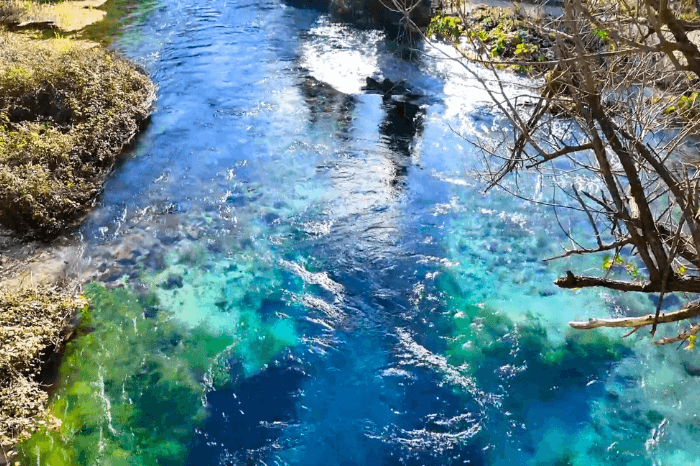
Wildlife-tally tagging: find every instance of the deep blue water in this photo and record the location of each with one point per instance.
(428, 331)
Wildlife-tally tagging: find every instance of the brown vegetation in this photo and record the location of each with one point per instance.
(67, 108)
(66, 15)
(33, 323)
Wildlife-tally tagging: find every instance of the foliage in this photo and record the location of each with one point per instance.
(526, 50)
(32, 325)
(502, 35)
(449, 27)
(686, 106)
(609, 263)
(66, 110)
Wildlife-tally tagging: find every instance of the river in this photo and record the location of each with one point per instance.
(301, 272)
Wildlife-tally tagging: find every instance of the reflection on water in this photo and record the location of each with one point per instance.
(300, 271)
(121, 15)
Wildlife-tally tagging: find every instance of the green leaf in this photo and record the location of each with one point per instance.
(602, 34)
(691, 343)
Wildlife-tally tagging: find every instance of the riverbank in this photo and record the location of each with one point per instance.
(517, 37)
(68, 108)
(66, 16)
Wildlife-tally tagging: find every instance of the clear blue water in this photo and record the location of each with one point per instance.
(312, 280)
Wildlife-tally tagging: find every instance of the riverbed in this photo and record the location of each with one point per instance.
(288, 268)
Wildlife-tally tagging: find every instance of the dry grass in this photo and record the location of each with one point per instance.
(32, 323)
(67, 108)
(67, 16)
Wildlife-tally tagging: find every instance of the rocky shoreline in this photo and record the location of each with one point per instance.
(68, 108)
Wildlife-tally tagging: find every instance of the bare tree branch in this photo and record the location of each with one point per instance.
(692, 310)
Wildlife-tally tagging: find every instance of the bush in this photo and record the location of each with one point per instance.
(67, 109)
(32, 324)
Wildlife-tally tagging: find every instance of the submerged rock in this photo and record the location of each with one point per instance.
(386, 87)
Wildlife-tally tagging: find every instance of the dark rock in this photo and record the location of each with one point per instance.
(671, 301)
(324, 100)
(271, 218)
(173, 281)
(387, 87)
(374, 13)
(150, 312)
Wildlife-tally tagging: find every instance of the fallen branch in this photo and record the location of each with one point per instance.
(692, 310)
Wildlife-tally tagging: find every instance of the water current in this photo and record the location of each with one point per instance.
(302, 272)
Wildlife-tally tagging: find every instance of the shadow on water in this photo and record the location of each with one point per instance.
(326, 103)
(245, 419)
(400, 128)
(402, 124)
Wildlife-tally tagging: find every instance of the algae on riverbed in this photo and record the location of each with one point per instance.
(109, 399)
(134, 383)
(67, 108)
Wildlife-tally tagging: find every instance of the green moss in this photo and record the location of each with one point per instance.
(111, 397)
(66, 110)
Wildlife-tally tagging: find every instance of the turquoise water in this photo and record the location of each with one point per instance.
(293, 272)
